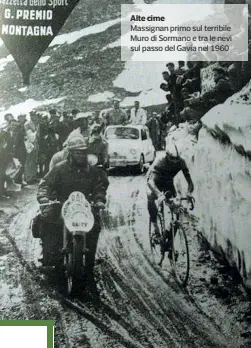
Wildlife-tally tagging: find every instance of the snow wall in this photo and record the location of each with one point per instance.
(220, 166)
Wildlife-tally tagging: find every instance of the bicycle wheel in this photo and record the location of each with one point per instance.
(155, 247)
(179, 256)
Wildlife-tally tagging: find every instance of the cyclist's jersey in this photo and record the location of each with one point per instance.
(163, 170)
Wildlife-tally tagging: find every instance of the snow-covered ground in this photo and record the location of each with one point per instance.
(5, 61)
(144, 78)
(69, 38)
(27, 106)
(43, 59)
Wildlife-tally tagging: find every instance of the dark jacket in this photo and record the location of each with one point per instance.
(65, 178)
(98, 147)
(215, 96)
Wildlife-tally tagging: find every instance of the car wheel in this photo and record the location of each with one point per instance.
(141, 166)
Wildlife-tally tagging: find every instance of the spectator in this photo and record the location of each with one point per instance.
(4, 158)
(138, 115)
(191, 77)
(97, 145)
(115, 115)
(181, 68)
(19, 150)
(172, 77)
(154, 129)
(52, 139)
(42, 144)
(31, 129)
(74, 112)
(81, 125)
(217, 95)
(65, 127)
(8, 118)
(235, 76)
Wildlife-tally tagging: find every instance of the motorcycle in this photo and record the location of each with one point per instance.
(70, 252)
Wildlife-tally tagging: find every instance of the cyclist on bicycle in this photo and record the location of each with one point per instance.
(160, 179)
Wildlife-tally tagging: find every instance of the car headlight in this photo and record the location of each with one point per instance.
(133, 151)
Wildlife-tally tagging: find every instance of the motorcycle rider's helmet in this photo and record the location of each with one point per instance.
(77, 143)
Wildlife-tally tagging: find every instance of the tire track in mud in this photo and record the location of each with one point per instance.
(35, 306)
(135, 274)
(113, 330)
(138, 306)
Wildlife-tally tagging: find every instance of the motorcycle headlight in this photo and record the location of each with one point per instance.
(133, 151)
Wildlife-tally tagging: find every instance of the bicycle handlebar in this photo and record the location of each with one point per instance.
(188, 198)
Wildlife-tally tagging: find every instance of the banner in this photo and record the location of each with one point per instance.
(28, 26)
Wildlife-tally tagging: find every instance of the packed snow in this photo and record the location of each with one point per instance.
(144, 78)
(72, 37)
(5, 61)
(44, 59)
(100, 97)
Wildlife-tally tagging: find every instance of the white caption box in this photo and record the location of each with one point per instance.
(23, 336)
(195, 32)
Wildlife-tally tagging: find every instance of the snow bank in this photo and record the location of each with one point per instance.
(222, 178)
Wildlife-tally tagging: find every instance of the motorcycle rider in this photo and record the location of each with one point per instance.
(73, 174)
(160, 179)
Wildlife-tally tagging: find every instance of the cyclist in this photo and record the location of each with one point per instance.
(160, 179)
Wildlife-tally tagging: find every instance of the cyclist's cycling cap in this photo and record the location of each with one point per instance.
(77, 143)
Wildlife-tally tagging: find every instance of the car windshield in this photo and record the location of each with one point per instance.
(122, 133)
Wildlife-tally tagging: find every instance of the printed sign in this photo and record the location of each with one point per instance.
(28, 26)
(207, 78)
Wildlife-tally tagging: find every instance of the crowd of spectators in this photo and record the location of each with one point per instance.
(29, 142)
(186, 101)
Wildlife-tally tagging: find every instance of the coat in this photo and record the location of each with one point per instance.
(138, 117)
(65, 178)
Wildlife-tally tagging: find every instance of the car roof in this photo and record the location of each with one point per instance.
(126, 126)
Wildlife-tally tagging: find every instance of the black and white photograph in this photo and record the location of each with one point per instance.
(125, 179)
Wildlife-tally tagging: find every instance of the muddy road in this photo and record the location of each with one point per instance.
(139, 306)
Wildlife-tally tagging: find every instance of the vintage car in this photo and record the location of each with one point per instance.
(129, 145)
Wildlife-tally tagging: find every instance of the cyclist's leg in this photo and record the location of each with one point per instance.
(167, 242)
(152, 209)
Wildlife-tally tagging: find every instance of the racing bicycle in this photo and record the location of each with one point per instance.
(173, 239)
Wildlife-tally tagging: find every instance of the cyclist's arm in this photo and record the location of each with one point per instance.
(188, 178)
(152, 185)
